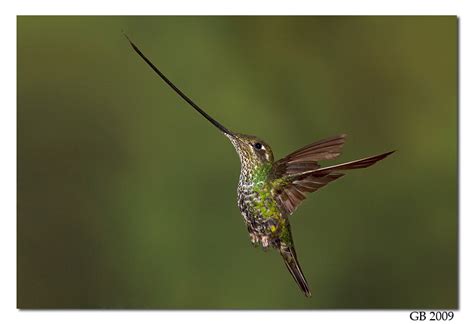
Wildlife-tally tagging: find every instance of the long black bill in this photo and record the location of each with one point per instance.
(182, 95)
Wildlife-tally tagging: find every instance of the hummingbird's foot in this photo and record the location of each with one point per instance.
(254, 239)
(265, 242)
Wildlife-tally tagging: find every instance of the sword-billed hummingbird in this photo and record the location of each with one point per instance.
(269, 191)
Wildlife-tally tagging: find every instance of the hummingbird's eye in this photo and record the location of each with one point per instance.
(258, 146)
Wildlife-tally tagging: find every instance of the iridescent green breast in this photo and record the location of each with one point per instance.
(256, 202)
(263, 203)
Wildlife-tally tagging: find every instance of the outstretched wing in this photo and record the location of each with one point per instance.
(299, 173)
(306, 158)
(289, 176)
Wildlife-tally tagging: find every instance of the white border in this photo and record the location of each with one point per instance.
(8, 312)
(241, 7)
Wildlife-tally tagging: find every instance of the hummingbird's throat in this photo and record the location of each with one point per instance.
(244, 154)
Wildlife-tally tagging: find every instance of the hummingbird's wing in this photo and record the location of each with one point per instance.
(288, 175)
(306, 157)
(298, 174)
(291, 190)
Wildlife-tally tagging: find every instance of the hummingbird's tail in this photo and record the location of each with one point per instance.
(289, 256)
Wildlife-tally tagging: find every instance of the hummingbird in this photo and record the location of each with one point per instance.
(270, 191)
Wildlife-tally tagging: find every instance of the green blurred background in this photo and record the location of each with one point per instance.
(127, 197)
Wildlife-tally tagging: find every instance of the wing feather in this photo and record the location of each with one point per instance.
(306, 158)
(299, 173)
(326, 149)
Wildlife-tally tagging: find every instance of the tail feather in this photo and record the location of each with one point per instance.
(291, 262)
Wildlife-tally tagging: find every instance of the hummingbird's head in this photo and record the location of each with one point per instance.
(251, 149)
